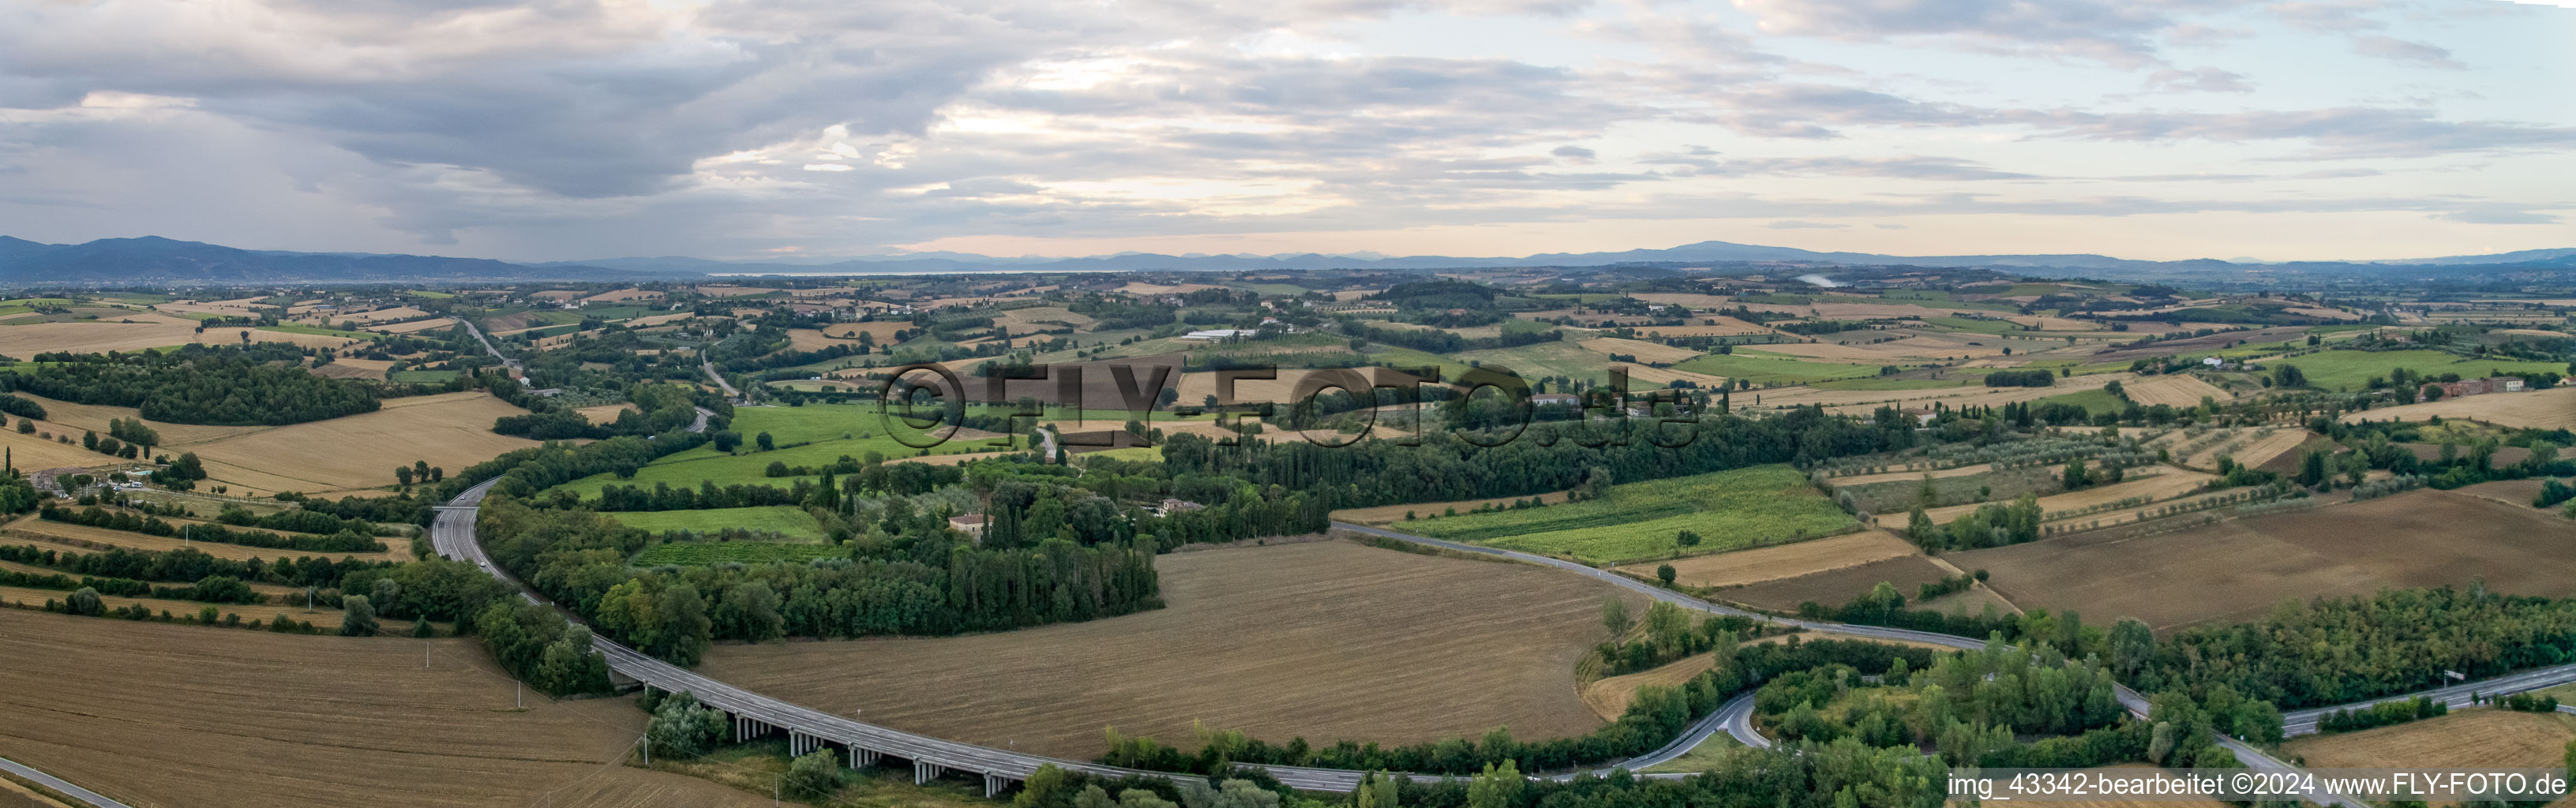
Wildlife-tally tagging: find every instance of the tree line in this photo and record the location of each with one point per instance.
(224, 386)
(344, 541)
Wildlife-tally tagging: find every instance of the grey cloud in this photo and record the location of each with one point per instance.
(2202, 80)
(1576, 152)
(1908, 167)
(1793, 224)
(2399, 50)
(2496, 214)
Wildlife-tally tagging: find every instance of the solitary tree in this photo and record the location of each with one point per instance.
(766, 442)
(1666, 573)
(817, 774)
(358, 618)
(402, 474)
(85, 603)
(1614, 615)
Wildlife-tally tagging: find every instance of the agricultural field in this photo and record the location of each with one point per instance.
(1384, 515)
(2464, 739)
(2149, 484)
(2238, 568)
(2096, 401)
(1267, 640)
(1773, 370)
(2175, 390)
(2554, 408)
(133, 332)
(161, 714)
(1730, 510)
(1609, 697)
(2352, 370)
(789, 521)
(449, 430)
(84, 537)
(1833, 587)
(1785, 561)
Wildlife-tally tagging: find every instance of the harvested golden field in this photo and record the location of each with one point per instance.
(1642, 375)
(2249, 446)
(605, 413)
(2469, 738)
(1325, 640)
(63, 417)
(1143, 288)
(2236, 569)
(1644, 351)
(630, 293)
(1834, 587)
(448, 430)
(1781, 561)
(2164, 483)
(2176, 390)
(180, 715)
(32, 453)
(2554, 408)
(415, 326)
(1391, 514)
(234, 336)
(355, 369)
(1609, 697)
(99, 336)
(1863, 402)
(1042, 317)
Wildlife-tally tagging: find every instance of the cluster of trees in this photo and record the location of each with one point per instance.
(537, 645)
(298, 520)
(924, 581)
(1993, 524)
(181, 474)
(190, 564)
(1443, 342)
(1955, 705)
(204, 386)
(1654, 716)
(1449, 466)
(211, 589)
(2525, 702)
(342, 541)
(21, 406)
(658, 408)
(2021, 378)
(1666, 634)
(2383, 714)
(2302, 656)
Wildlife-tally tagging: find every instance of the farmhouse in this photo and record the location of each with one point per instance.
(2473, 387)
(970, 524)
(1173, 506)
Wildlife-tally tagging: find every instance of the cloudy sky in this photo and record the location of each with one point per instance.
(566, 129)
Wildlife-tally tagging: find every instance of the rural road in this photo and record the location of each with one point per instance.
(700, 425)
(57, 784)
(709, 366)
(2305, 721)
(452, 533)
(510, 363)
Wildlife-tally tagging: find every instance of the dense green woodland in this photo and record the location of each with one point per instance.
(200, 385)
(2332, 651)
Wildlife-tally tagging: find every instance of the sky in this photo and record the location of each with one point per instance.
(810, 129)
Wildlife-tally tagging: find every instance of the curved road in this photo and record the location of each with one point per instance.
(452, 533)
(57, 784)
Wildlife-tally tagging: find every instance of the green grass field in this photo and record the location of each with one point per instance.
(731, 552)
(1975, 325)
(422, 376)
(1766, 370)
(785, 520)
(1730, 510)
(1544, 359)
(2095, 401)
(2338, 370)
(818, 427)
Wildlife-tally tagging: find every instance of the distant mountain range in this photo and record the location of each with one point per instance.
(152, 259)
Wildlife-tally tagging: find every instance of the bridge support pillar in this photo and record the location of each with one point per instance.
(862, 758)
(798, 744)
(924, 772)
(994, 785)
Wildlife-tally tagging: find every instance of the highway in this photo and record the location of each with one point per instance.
(709, 366)
(58, 785)
(510, 363)
(452, 534)
(2305, 721)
